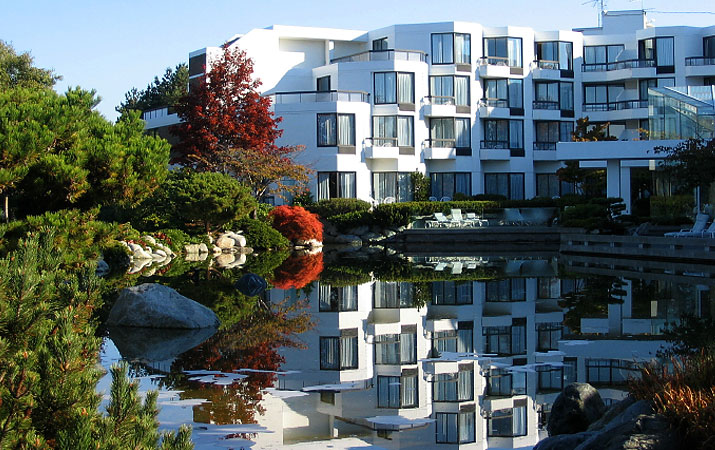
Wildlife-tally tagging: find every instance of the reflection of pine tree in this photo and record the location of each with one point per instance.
(591, 299)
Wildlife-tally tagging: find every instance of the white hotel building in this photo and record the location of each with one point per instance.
(479, 109)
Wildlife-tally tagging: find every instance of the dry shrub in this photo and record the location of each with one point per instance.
(684, 392)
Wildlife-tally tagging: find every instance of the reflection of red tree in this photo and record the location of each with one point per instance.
(252, 343)
(298, 271)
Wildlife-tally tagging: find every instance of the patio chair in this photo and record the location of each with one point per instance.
(387, 200)
(476, 220)
(443, 221)
(440, 266)
(456, 268)
(445, 199)
(709, 232)
(456, 215)
(698, 228)
(433, 199)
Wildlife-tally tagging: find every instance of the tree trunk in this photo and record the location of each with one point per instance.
(7, 209)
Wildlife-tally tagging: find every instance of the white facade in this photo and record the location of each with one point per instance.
(524, 91)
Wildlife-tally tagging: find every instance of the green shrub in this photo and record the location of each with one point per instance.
(260, 235)
(394, 214)
(536, 202)
(459, 197)
(335, 206)
(421, 186)
(490, 197)
(589, 216)
(303, 199)
(673, 206)
(346, 221)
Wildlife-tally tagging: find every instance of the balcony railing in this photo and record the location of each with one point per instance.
(440, 100)
(546, 64)
(496, 61)
(381, 141)
(544, 145)
(615, 106)
(618, 65)
(494, 103)
(284, 98)
(440, 143)
(700, 61)
(546, 104)
(158, 112)
(383, 55)
(494, 144)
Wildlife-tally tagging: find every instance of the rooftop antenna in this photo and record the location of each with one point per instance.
(601, 4)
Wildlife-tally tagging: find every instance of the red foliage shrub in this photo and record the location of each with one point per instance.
(295, 222)
(298, 271)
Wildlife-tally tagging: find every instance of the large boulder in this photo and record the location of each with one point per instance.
(644, 432)
(578, 406)
(564, 441)
(156, 306)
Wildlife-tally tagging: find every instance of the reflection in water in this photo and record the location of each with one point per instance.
(468, 352)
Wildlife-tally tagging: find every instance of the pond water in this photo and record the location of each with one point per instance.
(465, 351)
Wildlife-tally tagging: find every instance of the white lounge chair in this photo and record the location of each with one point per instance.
(443, 221)
(708, 232)
(476, 220)
(440, 267)
(456, 215)
(697, 230)
(456, 268)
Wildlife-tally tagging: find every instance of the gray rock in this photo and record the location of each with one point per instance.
(620, 413)
(564, 441)
(359, 231)
(578, 406)
(372, 237)
(225, 259)
(645, 432)
(191, 249)
(157, 306)
(149, 239)
(152, 344)
(351, 239)
(224, 241)
(389, 233)
(102, 268)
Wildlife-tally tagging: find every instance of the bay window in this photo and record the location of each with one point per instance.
(454, 387)
(555, 55)
(339, 353)
(549, 185)
(392, 294)
(393, 131)
(505, 383)
(394, 87)
(553, 95)
(660, 50)
(446, 184)
(455, 428)
(506, 340)
(460, 340)
(336, 299)
(503, 51)
(396, 349)
(451, 48)
(397, 185)
(598, 57)
(449, 90)
(452, 293)
(598, 96)
(504, 133)
(336, 185)
(336, 130)
(548, 133)
(645, 84)
(506, 290)
(508, 422)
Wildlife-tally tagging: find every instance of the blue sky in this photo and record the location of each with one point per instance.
(112, 46)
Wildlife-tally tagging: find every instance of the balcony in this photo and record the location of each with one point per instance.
(544, 151)
(439, 149)
(615, 106)
(496, 108)
(287, 98)
(494, 150)
(160, 117)
(549, 70)
(383, 55)
(442, 106)
(385, 148)
(618, 70)
(701, 66)
(546, 104)
(497, 67)
(618, 65)
(623, 110)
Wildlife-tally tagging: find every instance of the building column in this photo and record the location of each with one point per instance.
(613, 178)
(626, 188)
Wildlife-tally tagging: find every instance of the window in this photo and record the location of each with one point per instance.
(504, 51)
(598, 96)
(451, 48)
(547, 335)
(548, 287)
(598, 56)
(339, 353)
(650, 83)
(609, 371)
(506, 340)
(397, 185)
(506, 383)
(553, 95)
(451, 132)
(446, 184)
(507, 290)
(460, 341)
(452, 293)
(335, 299)
(709, 47)
(454, 387)
(658, 49)
(548, 185)
(379, 44)
(336, 185)
(555, 55)
(392, 294)
(394, 87)
(336, 130)
(455, 428)
(393, 131)
(507, 422)
(396, 349)
(510, 185)
(504, 133)
(504, 93)
(397, 392)
(449, 90)
(550, 378)
(323, 84)
(548, 133)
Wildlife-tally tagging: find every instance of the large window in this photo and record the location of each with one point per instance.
(510, 185)
(709, 47)
(397, 185)
(548, 335)
(394, 87)
(449, 90)
(455, 428)
(393, 131)
(451, 132)
(506, 290)
(548, 133)
(555, 55)
(452, 293)
(609, 371)
(503, 51)
(392, 294)
(339, 353)
(597, 57)
(460, 340)
(336, 185)
(506, 340)
(549, 185)
(323, 84)
(661, 50)
(504, 133)
(397, 392)
(451, 48)
(336, 299)
(336, 130)
(506, 383)
(454, 387)
(650, 83)
(552, 378)
(379, 44)
(504, 93)
(396, 349)
(508, 422)
(553, 95)
(446, 184)
(598, 96)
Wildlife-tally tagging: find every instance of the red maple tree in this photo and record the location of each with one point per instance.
(296, 223)
(227, 126)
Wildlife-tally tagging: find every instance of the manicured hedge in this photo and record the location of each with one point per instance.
(337, 206)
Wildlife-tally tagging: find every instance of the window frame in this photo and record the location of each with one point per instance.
(509, 183)
(337, 182)
(453, 55)
(353, 342)
(441, 175)
(396, 87)
(321, 143)
(507, 58)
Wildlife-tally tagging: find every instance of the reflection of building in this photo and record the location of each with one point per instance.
(377, 355)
